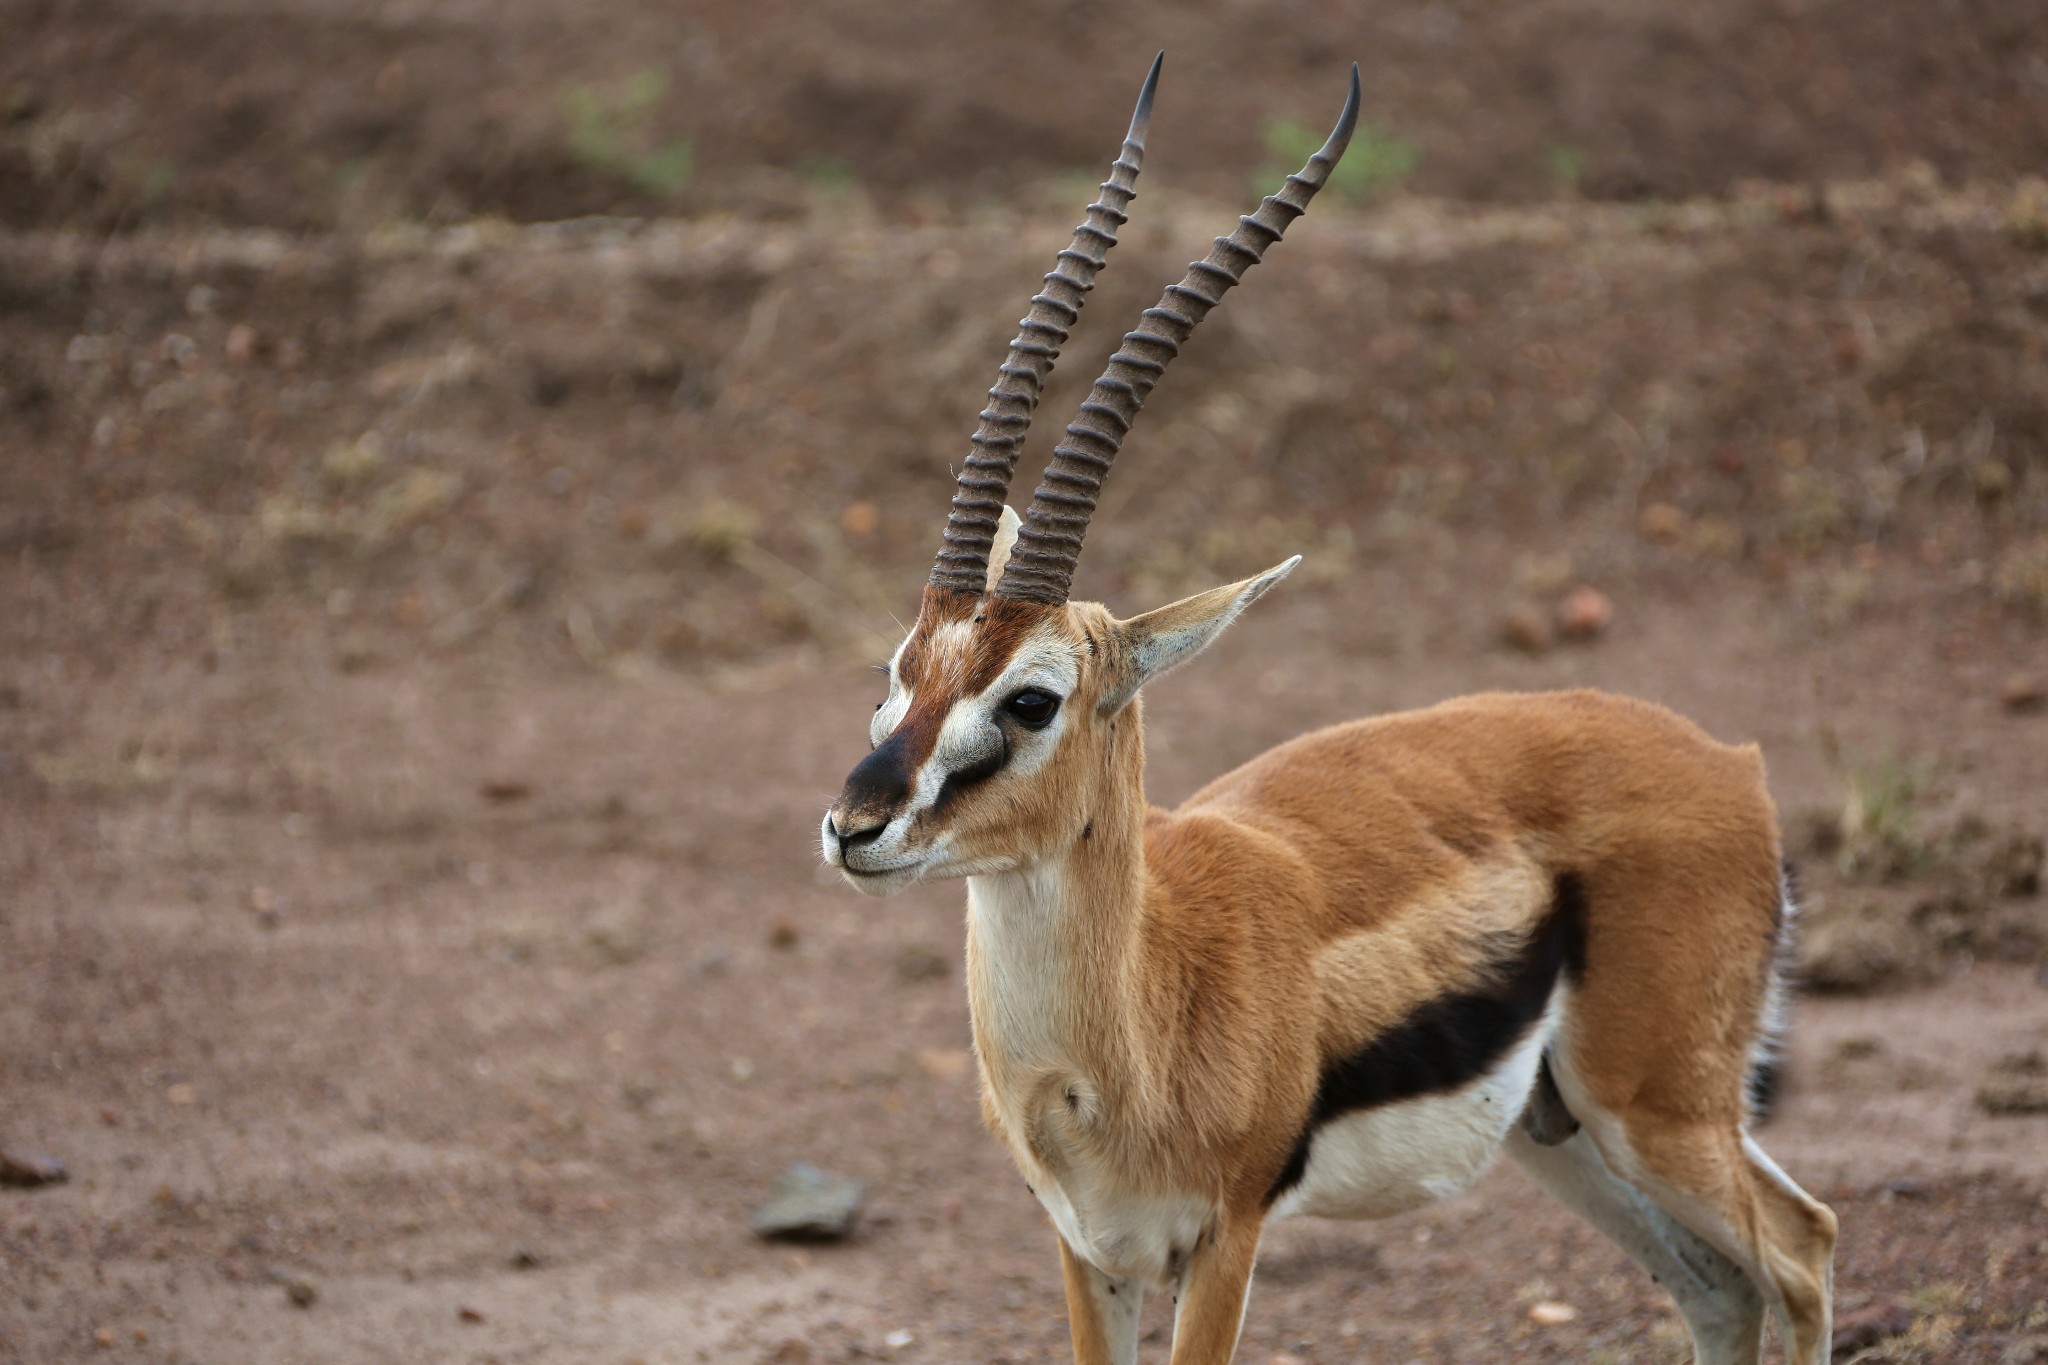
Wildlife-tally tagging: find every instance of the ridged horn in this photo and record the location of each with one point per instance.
(1041, 565)
(985, 478)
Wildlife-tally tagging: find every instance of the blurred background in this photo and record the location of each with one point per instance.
(457, 461)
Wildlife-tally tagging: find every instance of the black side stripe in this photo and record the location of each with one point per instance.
(1453, 1040)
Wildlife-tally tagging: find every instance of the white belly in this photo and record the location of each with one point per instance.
(1401, 1156)
(1144, 1237)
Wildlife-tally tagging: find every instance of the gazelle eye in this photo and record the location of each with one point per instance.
(1033, 709)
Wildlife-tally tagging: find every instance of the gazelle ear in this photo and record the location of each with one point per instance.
(1167, 638)
(999, 552)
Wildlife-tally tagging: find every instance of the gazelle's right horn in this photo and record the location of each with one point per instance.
(985, 477)
(1041, 566)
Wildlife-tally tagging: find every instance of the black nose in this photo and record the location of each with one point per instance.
(853, 839)
(882, 779)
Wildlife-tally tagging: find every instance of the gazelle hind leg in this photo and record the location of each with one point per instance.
(1721, 1306)
(1722, 1186)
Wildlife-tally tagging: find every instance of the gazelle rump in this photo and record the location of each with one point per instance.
(1343, 978)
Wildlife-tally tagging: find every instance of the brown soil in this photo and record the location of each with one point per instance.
(426, 643)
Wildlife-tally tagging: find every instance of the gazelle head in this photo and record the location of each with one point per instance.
(1009, 706)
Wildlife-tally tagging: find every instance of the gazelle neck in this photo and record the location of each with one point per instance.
(1049, 943)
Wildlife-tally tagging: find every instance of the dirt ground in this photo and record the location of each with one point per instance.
(432, 620)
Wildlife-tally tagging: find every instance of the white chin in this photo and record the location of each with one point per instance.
(879, 883)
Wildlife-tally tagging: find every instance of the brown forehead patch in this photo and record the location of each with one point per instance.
(997, 626)
(1005, 625)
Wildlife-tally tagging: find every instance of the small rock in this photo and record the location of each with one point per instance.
(25, 1169)
(1662, 523)
(1526, 628)
(859, 519)
(783, 936)
(468, 1314)
(1550, 1313)
(504, 790)
(1866, 1327)
(1585, 613)
(898, 1339)
(104, 1338)
(241, 344)
(524, 1259)
(920, 963)
(2023, 693)
(810, 1205)
(300, 1293)
(182, 1093)
(792, 1351)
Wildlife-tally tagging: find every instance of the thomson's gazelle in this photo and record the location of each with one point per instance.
(1342, 978)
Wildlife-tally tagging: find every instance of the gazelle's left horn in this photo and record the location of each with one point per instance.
(985, 477)
(1041, 566)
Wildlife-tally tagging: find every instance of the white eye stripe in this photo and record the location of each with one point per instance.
(972, 732)
(891, 713)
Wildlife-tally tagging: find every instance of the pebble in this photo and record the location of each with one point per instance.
(2023, 693)
(25, 1169)
(1585, 612)
(1526, 628)
(300, 1293)
(920, 963)
(1550, 1313)
(469, 1315)
(859, 519)
(1662, 523)
(811, 1205)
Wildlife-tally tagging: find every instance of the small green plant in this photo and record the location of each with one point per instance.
(830, 174)
(611, 130)
(1882, 838)
(1376, 164)
(2021, 579)
(1565, 163)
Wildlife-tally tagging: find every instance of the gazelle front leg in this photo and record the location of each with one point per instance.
(1102, 1312)
(1213, 1289)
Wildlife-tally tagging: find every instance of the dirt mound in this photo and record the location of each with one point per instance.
(320, 115)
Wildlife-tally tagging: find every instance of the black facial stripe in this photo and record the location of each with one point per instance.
(960, 779)
(1453, 1040)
